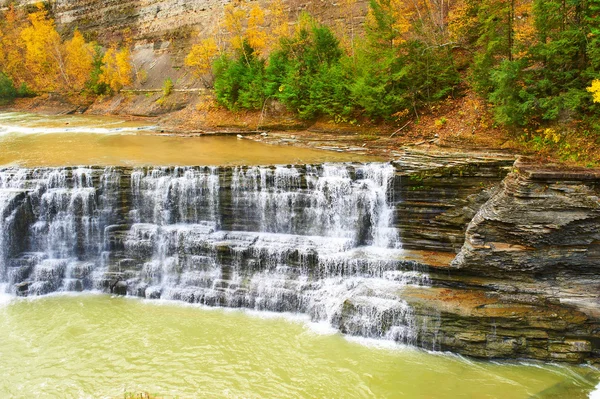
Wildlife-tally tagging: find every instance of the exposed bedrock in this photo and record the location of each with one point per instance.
(526, 281)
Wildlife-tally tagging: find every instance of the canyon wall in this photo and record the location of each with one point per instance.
(153, 20)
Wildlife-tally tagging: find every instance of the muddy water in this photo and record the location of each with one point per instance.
(30, 140)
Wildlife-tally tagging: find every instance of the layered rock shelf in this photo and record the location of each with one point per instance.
(475, 256)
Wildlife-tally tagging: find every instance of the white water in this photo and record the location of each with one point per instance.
(317, 240)
(596, 393)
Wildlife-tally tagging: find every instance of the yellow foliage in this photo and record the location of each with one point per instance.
(12, 48)
(526, 34)
(201, 56)
(43, 52)
(595, 90)
(280, 26)
(117, 69)
(551, 135)
(461, 21)
(243, 26)
(79, 57)
(255, 36)
(233, 22)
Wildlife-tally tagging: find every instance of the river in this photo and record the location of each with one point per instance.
(32, 140)
(98, 346)
(316, 242)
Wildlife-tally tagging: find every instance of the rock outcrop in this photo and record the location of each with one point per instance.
(526, 282)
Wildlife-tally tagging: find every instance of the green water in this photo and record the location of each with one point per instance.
(96, 346)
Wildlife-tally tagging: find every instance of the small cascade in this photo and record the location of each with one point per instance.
(313, 239)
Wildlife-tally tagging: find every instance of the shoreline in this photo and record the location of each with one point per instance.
(277, 128)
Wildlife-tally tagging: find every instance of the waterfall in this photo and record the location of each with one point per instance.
(314, 239)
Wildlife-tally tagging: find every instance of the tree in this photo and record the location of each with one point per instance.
(279, 23)
(201, 58)
(254, 35)
(12, 47)
(79, 58)
(306, 74)
(44, 56)
(403, 64)
(233, 21)
(7, 89)
(117, 68)
(239, 81)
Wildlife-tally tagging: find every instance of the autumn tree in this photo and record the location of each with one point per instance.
(279, 21)
(254, 35)
(12, 47)
(79, 57)
(44, 58)
(117, 69)
(201, 58)
(233, 22)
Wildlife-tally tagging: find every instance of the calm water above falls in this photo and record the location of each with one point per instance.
(35, 140)
(92, 346)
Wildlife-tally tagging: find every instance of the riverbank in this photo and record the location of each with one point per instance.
(458, 125)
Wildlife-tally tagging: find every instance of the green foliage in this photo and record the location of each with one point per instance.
(24, 91)
(388, 82)
(493, 39)
(513, 104)
(167, 87)
(544, 80)
(7, 89)
(94, 84)
(307, 75)
(239, 82)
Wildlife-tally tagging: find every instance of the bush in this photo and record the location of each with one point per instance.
(307, 73)
(7, 89)
(167, 87)
(239, 82)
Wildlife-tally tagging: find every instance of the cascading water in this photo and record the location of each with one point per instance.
(312, 239)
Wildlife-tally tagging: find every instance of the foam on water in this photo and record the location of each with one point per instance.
(596, 393)
(12, 129)
(312, 240)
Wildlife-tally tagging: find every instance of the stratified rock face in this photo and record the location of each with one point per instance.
(537, 224)
(526, 281)
(145, 18)
(156, 19)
